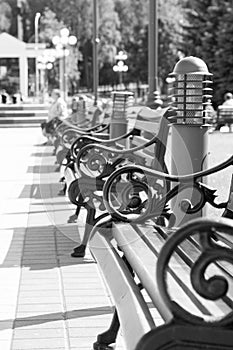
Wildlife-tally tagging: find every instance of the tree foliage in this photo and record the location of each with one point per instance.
(208, 35)
(201, 28)
(5, 16)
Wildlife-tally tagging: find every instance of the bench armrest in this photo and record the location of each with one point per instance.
(107, 156)
(211, 234)
(84, 140)
(104, 160)
(137, 193)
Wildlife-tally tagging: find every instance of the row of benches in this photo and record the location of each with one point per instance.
(172, 287)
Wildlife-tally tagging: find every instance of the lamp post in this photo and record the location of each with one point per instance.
(190, 91)
(61, 43)
(36, 23)
(45, 63)
(120, 66)
(19, 19)
(95, 52)
(153, 51)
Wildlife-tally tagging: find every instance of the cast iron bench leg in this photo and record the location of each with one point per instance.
(79, 251)
(108, 337)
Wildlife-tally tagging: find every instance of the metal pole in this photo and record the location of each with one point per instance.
(153, 50)
(19, 20)
(37, 17)
(120, 78)
(95, 53)
(64, 73)
(61, 73)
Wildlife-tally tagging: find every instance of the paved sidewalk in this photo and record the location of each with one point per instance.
(48, 300)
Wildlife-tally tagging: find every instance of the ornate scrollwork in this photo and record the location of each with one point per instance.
(78, 144)
(94, 162)
(69, 136)
(130, 195)
(208, 276)
(100, 162)
(159, 184)
(84, 192)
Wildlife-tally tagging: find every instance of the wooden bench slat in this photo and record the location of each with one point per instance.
(131, 241)
(144, 257)
(131, 304)
(138, 141)
(146, 260)
(152, 127)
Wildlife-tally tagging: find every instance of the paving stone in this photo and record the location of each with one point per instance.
(34, 288)
(39, 300)
(39, 293)
(56, 292)
(38, 333)
(5, 344)
(46, 308)
(47, 343)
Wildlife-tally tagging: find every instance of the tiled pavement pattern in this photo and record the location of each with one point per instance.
(48, 300)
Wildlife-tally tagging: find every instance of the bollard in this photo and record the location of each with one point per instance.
(81, 111)
(191, 94)
(118, 123)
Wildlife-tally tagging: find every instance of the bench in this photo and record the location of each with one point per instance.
(70, 142)
(67, 139)
(67, 132)
(224, 116)
(172, 287)
(122, 103)
(95, 162)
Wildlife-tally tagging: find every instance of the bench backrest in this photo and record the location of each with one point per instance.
(148, 123)
(225, 114)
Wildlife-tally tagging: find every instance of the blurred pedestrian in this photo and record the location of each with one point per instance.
(57, 112)
(228, 102)
(17, 97)
(4, 96)
(210, 112)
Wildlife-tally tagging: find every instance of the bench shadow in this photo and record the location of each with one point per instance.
(41, 169)
(57, 316)
(41, 154)
(39, 191)
(44, 248)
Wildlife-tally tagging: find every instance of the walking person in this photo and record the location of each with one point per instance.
(228, 102)
(57, 112)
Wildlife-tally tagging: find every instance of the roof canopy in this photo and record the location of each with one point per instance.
(13, 47)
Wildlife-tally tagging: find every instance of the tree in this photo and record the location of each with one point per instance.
(223, 63)
(208, 35)
(49, 26)
(123, 24)
(134, 17)
(5, 16)
(170, 36)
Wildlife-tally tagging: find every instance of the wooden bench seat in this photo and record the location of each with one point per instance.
(141, 249)
(188, 309)
(95, 163)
